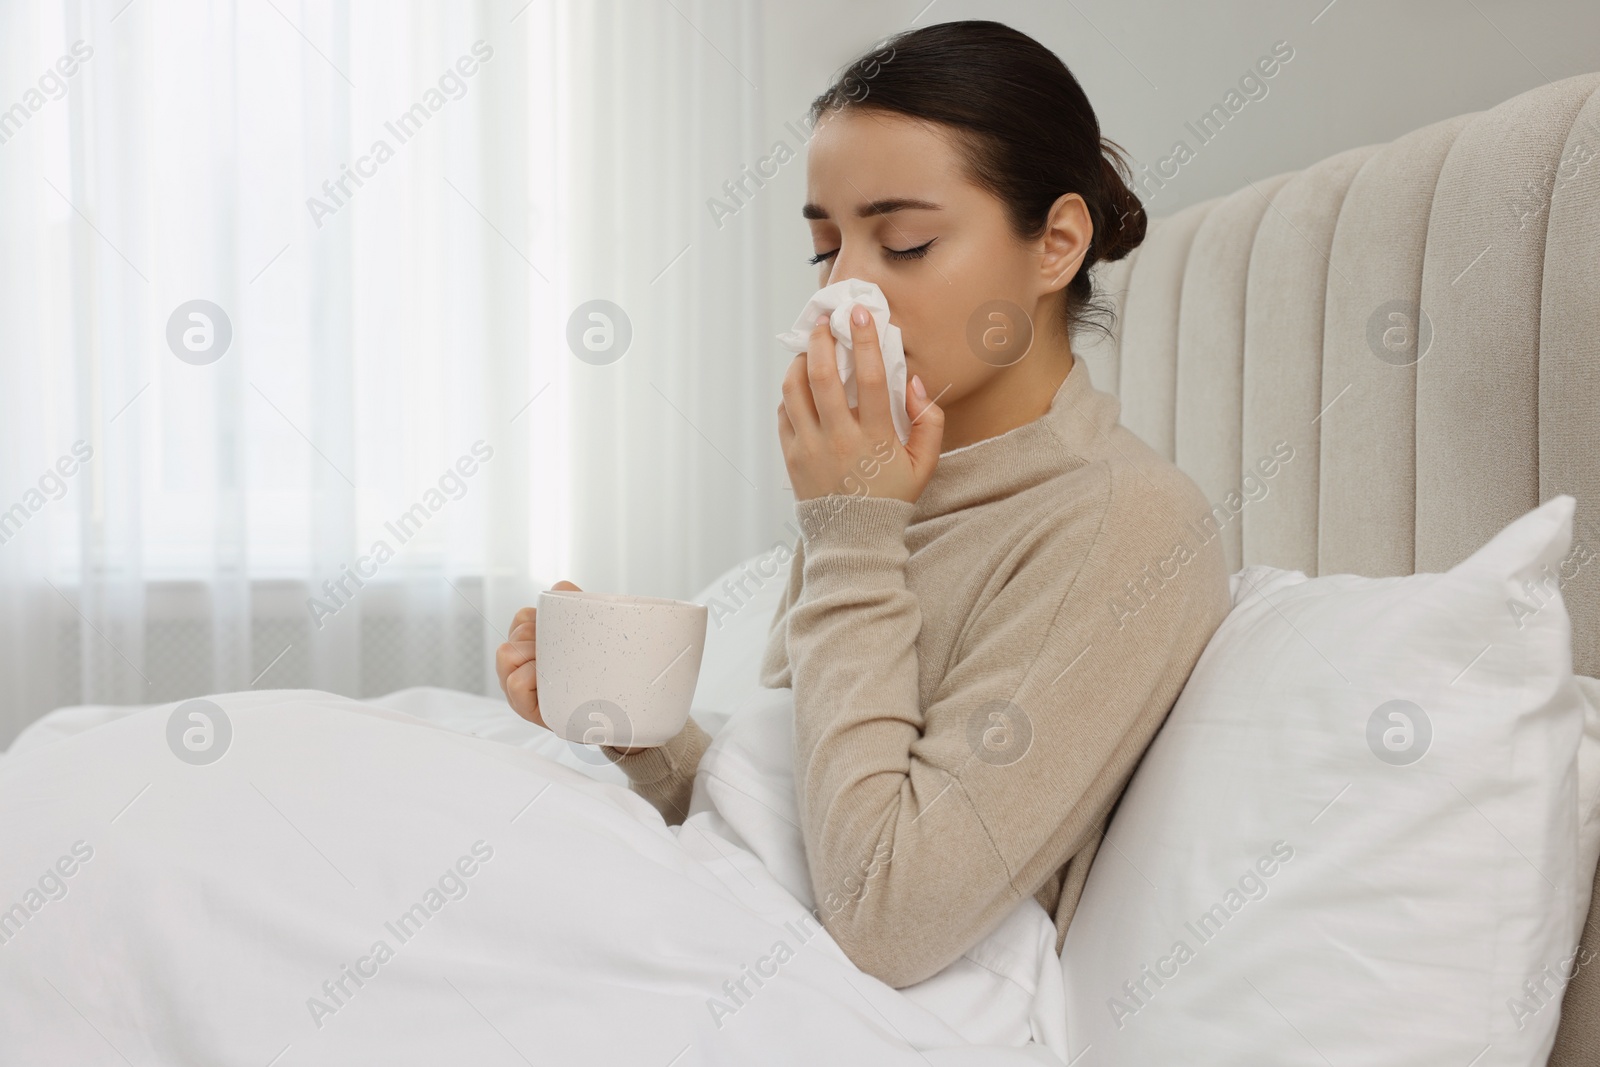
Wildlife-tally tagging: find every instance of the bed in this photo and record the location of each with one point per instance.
(1262, 316)
(1419, 318)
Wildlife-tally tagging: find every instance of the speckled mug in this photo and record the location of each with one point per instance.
(617, 669)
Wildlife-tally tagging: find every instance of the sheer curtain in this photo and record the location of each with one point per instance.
(302, 378)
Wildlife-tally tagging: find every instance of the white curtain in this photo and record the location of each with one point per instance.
(300, 384)
(678, 438)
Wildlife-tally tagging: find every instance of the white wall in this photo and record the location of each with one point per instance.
(1363, 72)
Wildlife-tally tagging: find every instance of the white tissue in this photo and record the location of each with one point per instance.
(837, 300)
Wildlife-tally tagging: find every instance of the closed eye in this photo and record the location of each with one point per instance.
(892, 253)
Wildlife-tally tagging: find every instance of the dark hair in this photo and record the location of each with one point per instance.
(1026, 132)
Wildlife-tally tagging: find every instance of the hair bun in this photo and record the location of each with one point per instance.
(1123, 228)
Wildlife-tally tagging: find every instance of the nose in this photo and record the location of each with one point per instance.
(846, 265)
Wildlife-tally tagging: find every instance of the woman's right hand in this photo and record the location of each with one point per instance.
(515, 663)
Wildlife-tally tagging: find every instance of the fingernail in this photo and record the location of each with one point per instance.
(859, 315)
(820, 320)
(916, 387)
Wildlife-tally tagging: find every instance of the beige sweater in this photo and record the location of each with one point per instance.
(976, 676)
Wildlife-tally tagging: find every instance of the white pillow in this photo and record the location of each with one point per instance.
(741, 602)
(1306, 870)
(1004, 990)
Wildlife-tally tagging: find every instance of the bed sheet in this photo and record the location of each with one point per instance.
(307, 897)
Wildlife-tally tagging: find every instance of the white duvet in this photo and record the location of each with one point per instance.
(356, 883)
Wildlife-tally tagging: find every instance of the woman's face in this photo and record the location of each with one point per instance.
(938, 246)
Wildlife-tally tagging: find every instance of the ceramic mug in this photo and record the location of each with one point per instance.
(616, 669)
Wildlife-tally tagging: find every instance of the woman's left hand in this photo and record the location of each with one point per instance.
(830, 448)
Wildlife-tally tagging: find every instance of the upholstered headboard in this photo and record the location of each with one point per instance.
(1420, 321)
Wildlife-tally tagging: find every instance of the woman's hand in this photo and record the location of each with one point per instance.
(514, 662)
(829, 448)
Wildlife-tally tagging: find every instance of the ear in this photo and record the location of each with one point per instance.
(1068, 233)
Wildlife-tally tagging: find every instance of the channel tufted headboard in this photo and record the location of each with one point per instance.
(1420, 321)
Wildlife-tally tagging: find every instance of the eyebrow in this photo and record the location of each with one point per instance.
(877, 207)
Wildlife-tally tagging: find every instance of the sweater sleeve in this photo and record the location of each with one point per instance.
(664, 775)
(774, 669)
(925, 826)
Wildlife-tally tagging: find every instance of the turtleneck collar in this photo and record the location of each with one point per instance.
(1070, 434)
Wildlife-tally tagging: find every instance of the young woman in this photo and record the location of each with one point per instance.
(983, 642)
